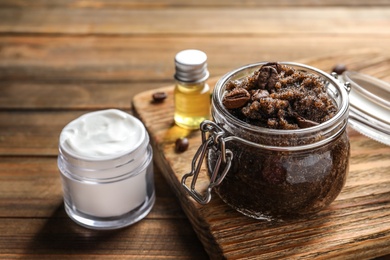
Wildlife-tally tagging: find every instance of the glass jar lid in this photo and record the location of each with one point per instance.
(369, 100)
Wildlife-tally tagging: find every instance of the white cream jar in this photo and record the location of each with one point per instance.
(105, 161)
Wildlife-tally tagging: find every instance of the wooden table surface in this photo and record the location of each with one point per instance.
(62, 58)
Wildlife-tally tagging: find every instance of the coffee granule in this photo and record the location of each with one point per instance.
(279, 97)
(281, 184)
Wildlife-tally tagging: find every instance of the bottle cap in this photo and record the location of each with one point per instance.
(191, 66)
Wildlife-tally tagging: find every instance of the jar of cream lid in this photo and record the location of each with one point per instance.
(105, 161)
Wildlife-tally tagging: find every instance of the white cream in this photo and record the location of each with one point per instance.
(106, 167)
(101, 135)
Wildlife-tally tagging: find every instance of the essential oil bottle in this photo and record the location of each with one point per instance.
(192, 93)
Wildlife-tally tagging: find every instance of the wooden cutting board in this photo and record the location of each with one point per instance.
(355, 226)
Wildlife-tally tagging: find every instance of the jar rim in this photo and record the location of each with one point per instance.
(339, 116)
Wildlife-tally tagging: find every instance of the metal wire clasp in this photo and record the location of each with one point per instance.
(214, 140)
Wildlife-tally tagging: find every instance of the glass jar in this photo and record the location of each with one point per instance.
(270, 173)
(106, 166)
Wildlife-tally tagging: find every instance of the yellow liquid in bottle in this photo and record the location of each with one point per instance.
(192, 104)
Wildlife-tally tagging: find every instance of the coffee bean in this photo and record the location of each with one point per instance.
(304, 123)
(237, 98)
(181, 145)
(159, 97)
(339, 68)
(268, 76)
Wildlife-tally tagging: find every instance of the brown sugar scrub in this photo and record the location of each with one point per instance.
(284, 125)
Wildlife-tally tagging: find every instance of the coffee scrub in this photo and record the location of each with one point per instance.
(277, 147)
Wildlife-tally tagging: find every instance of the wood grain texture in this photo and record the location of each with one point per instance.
(38, 239)
(34, 224)
(117, 60)
(73, 96)
(123, 4)
(62, 58)
(200, 20)
(356, 225)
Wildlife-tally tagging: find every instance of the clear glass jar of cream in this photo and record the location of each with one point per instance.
(273, 174)
(105, 162)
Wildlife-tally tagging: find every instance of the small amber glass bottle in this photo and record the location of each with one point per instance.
(192, 93)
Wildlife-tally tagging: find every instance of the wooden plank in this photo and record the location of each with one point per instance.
(133, 60)
(99, 4)
(32, 133)
(101, 95)
(356, 225)
(217, 21)
(70, 96)
(31, 187)
(61, 238)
